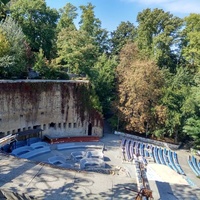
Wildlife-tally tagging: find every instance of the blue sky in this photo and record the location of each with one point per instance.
(112, 12)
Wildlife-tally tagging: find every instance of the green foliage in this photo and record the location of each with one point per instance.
(164, 101)
(40, 64)
(88, 21)
(4, 9)
(92, 26)
(4, 44)
(103, 78)
(125, 32)
(13, 60)
(175, 96)
(38, 23)
(47, 71)
(157, 34)
(192, 128)
(191, 39)
(67, 16)
(76, 51)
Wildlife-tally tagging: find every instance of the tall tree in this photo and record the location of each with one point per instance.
(175, 94)
(76, 51)
(139, 89)
(191, 39)
(125, 32)
(92, 26)
(13, 59)
(191, 109)
(38, 23)
(157, 36)
(103, 78)
(67, 16)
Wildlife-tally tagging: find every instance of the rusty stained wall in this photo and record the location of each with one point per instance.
(60, 108)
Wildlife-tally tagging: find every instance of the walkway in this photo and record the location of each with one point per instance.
(41, 181)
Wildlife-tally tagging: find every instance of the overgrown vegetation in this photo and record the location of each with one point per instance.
(146, 77)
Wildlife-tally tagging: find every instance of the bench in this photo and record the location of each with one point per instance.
(78, 155)
(21, 150)
(91, 163)
(94, 154)
(64, 146)
(38, 145)
(35, 152)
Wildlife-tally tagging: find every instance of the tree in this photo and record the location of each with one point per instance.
(67, 16)
(38, 23)
(47, 70)
(4, 44)
(140, 85)
(4, 9)
(125, 32)
(157, 36)
(40, 64)
(175, 99)
(13, 58)
(92, 26)
(103, 78)
(191, 39)
(76, 51)
(192, 128)
(192, 111)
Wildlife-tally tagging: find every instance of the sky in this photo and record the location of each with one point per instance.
(113, 12)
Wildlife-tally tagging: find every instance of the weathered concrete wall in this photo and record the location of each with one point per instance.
(60, 108)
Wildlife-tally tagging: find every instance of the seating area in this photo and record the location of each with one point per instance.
(194, 165)
(132, 149)
(78, 155)
(65, 146)
(94, 154)
(86, 163)
(91, 157)
(26, 142)
(39, 145)
(21, 150)
(32, 150)
(36, 152)
(57, 160)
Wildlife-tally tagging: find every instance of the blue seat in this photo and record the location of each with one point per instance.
(191, 166)
(175, 158)
(160, 155)
(194, 163)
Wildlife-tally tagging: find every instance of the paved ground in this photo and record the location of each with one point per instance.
(45, 182)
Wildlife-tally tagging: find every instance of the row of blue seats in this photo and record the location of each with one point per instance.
(167, 157)
(160, 156)
(28, 142)
(21, 143)
(194, 165)
(132, 149)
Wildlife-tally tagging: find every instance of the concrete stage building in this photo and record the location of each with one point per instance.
(59, 108)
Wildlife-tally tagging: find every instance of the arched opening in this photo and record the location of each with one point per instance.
(90, 129)
(52, 125)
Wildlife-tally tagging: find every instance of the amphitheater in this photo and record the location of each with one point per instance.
(55, 146)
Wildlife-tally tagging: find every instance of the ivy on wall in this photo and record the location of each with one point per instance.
(19, 94)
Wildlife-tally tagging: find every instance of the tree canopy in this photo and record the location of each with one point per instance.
(38, 24)
(145, 76)
(140, 85)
